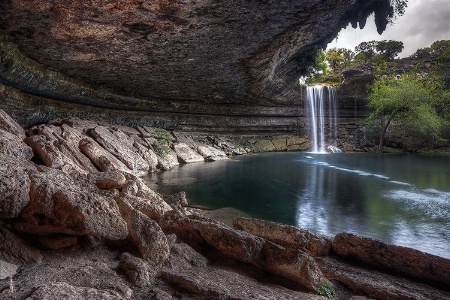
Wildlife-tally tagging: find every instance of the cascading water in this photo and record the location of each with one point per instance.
(316, 103)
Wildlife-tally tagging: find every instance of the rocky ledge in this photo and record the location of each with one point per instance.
(77, 223)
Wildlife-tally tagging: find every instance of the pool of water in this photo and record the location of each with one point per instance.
(400, 199)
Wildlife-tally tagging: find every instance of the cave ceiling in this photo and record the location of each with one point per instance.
(199, 56)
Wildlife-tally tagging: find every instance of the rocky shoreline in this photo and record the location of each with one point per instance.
(77, 222)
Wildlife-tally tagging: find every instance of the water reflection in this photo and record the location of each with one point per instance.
(336, 198)
(400, 199)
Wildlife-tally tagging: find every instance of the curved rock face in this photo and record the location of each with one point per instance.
(207, 63)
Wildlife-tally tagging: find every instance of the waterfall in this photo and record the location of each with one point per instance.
(322, 127)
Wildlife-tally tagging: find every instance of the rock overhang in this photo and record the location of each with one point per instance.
(222, 61)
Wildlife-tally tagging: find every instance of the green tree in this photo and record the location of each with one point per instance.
(423, 53)
(368, 49)
(441, 51)
(334, 58)
(320, 68)
(378, 50)
(406, 101)
(388, 50)
(339, 58)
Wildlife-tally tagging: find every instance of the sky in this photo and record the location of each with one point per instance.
(424, 22)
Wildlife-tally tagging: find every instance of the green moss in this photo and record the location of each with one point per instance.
(327, 291)
(264, 146)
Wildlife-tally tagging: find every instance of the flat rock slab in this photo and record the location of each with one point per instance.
(407, 261)
(286, 236)
(377, 285)
(101, 158)
(62, 290)
(210, 153)
(186, 155)
(114, 142)
(74, 275)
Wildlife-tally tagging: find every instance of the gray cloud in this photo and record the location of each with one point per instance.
(423, 23)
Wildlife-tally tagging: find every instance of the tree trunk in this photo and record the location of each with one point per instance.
(383, 129)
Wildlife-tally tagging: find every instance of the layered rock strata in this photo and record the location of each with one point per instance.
(69, 232)
(190, 65)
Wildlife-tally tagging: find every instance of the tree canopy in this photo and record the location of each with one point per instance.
(385, 50)
(411, 104)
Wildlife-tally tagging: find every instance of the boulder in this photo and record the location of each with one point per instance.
(104, 160)
(60, 203)
(58, 146)
(186, 155)
(292, 264)
(375, 284)
(210, 153)
(154, 208)
(11, 126)
(13, 146)
(145, 235)
(286, 236)
(189, 271)
(176, 201)
(14, 186)
(144, 199)
(167, 159)
(148, 155)
(407, 261)
(108, 180)
(116, 143)
(70, 145)
(135, 269)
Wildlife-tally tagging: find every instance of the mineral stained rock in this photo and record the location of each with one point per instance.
(230, 65)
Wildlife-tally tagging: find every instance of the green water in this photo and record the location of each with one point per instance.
(400, 199)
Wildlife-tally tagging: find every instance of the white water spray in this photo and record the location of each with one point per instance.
(315, 107)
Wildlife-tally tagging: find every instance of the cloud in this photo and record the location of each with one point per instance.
(423, 23)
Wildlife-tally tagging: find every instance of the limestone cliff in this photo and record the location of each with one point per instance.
(185, 64)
